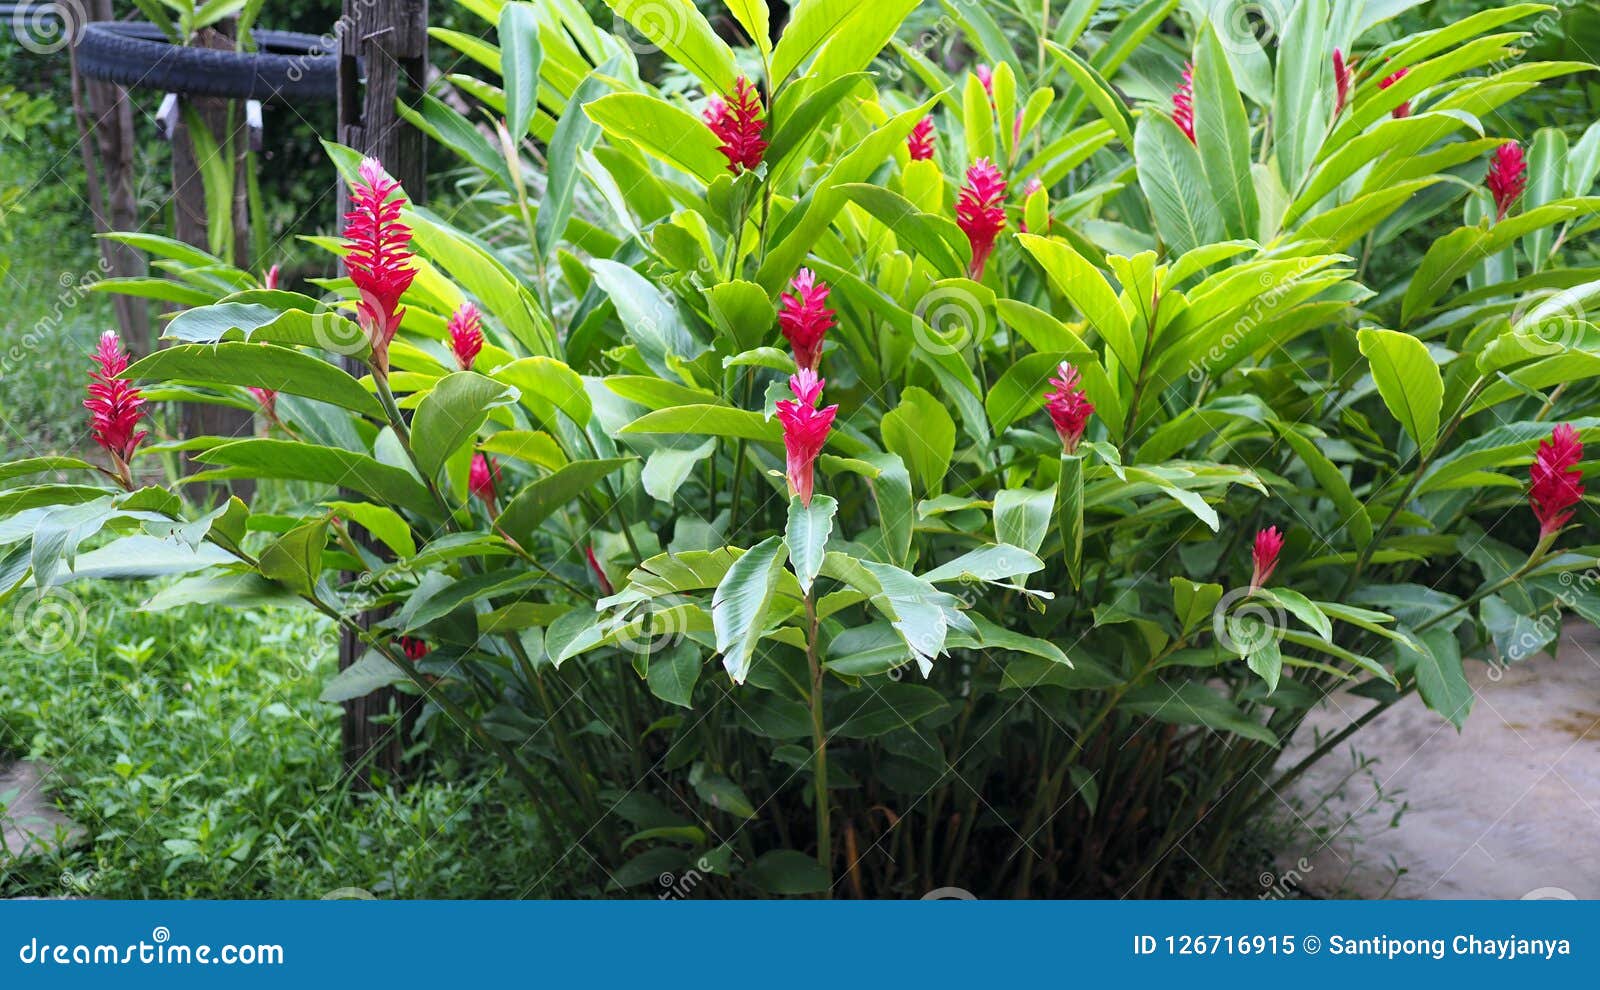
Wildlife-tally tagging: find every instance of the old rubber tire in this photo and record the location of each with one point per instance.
(287, 66)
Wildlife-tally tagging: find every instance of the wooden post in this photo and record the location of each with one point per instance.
(105, 131)
(190, 226)
(390, 40)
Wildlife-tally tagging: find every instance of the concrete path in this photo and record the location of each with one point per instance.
(29, 820)
(1508, 808)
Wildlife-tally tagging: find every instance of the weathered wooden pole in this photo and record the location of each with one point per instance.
(383, 55)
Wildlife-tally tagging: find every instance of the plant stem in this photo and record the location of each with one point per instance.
(819, 746)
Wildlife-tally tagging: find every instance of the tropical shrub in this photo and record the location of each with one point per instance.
(857, 478)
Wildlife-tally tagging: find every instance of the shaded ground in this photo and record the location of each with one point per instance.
(1508, 808)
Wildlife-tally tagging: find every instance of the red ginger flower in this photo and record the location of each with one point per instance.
(268, 399)
(413, 648)
(1508, 176)
(1404, 109)
(1556, 480)
(804, 317)
(378, 259)
(986, 78)
(271, 281)
(1183, 103)
(1068, 406)
(980, 211)
(114, 403)
(805, 429)
(1265, 555)
(1341, 83)
(483, 478)
(738, 124)
(466, 335)
(920, 144)
(599, 572)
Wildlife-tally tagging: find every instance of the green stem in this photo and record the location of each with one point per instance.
(819, 747)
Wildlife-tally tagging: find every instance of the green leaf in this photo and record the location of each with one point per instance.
(1022, 516)
(451, 414)
(1097, 91)
(1547, 181)
(546, 385)
(574, 136)
(679, 29)
(885, 709)
(672, 674)
(227, 589)
(1303, 609)
(648, 315)
(523, 515)
(787, 872)
(1436, 663)
(295, 558)
(371, 672)
(1193, 703)
(812, 25)
(257, 365)
(922, 433)
(1069, 515)
(385, 524)
(1408, 381)
(1301, 100)
(739, 606)
(295, 461)
(1173, 180)
(1193, 603)
(709, 420)
(1088, 291)
(807, 536)
(931, 237)
(1222, 132)
(891, 492)
(520, 55)
(1266, 660)
(753, 17)
(661, 130)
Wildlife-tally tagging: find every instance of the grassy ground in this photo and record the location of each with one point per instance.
(193, 748)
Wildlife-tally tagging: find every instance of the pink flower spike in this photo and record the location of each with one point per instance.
(920, 144)
(466, 335)
(483, 478)
(1265, 555)
(1557, 481)
(980, 211)
(114, 404)
(1068, 406)
(738, 122)
(271, 281)
(378, 259)
(1508, 176)
(805, 430)
(1404, 109)
(985, 78)
(1183, 103)
(804, 317)
(1341, 83)
(268, 399)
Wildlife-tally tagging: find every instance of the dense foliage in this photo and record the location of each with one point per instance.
(856, 477)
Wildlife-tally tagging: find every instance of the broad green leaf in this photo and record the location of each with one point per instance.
(451, 414)
(709, 420)
(296, 461)
(753, 17)
(673, 673)
(385, 524)
(1301, 103)
(258, 365)
(1436, 664)
(295, 558)
(1173, 180)
(1069, 515)
(520, 55)
(1022, 516)
(369, 673)
(1222, 133)
(1088, 291)
(1193, 703)
(661, 130)
(1547, 181)
(539, 500)
(922, 433)
(685, 36)
(807, 536)
(575, 134)
(1407, 379)
(739, 607)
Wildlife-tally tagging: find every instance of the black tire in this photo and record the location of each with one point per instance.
(287, 66)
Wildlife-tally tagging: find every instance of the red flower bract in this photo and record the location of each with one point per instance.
(985, 78)
(1265, 555)
(1404, 109)
(1183, 103)
(920, 144)
(805, 429)
(378, 260)
(268, 399)
(1556, 480)
(1341, 83)
(271, 281)
(804, 317)
(466, 335)
(483, 478)
(599, 572)
(1508, 176)
(738, 122)
(113, 402)
(413, 648)
(980, 211)
(1068, 407)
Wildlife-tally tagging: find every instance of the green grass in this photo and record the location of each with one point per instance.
(193, 749)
